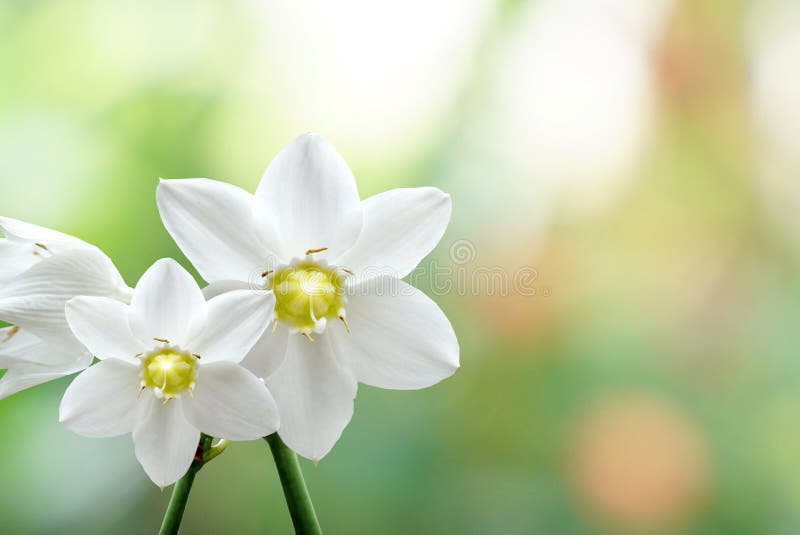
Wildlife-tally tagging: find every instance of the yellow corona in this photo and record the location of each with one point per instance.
(307, 294)
(169, 372)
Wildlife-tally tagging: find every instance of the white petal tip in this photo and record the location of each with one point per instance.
(443, 196)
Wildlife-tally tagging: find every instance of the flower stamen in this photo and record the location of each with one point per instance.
(308, 337)
(346, 325)
(41, 250)
(11, 332)
(312, 251)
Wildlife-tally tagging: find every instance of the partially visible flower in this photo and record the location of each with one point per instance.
(169, 369)
(25, 245)
(333, 264)
(30, 361)
(40, 270)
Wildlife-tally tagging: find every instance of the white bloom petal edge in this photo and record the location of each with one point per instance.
(101, 324)
(314, 396)
(101, 401)
(164, 441)
(26, 244)
(30, 361)
(269, 353)
(401, 227)
(230, 402)
(212, 223)
(167, 303)
(308, 199)
(400, 339)
(235, 322)
(21, 231)
(36, 298)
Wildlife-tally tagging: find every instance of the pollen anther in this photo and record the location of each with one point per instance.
(11, 332)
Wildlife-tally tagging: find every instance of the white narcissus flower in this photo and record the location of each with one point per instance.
(40, 270)
(327, 256)
(169, 369)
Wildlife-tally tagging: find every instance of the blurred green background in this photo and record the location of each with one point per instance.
(642, 157)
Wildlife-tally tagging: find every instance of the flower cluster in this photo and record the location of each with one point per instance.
(305, 300)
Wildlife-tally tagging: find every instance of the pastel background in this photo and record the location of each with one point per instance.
(637, 161)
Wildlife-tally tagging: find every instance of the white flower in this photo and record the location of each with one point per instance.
(30, 361)
(25, 245)
(40, 270)
(169, 369)
(328, 257)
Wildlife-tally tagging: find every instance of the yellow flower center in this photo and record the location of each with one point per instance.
(168, 372)
(307, 294)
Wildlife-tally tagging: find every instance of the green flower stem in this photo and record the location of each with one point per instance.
(215, 450)
(294, 488)
(180, 493)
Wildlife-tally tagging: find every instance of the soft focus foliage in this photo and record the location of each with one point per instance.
(641, 159)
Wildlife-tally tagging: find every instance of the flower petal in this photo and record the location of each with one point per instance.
(18, 230)
(401, 227)
(307, 199)
(230, 402)
(101, 401)
(26, 244)
(30, 361)
(314, 396)
(101, 324)
(164, 441)
(399, 338)
(220, 287)
(21, 376)
(35, 299)
(15, 257)
(235, 322)
(212, 223)
(268, 353)
(167, 304)
(21, 346)
(270, 350)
